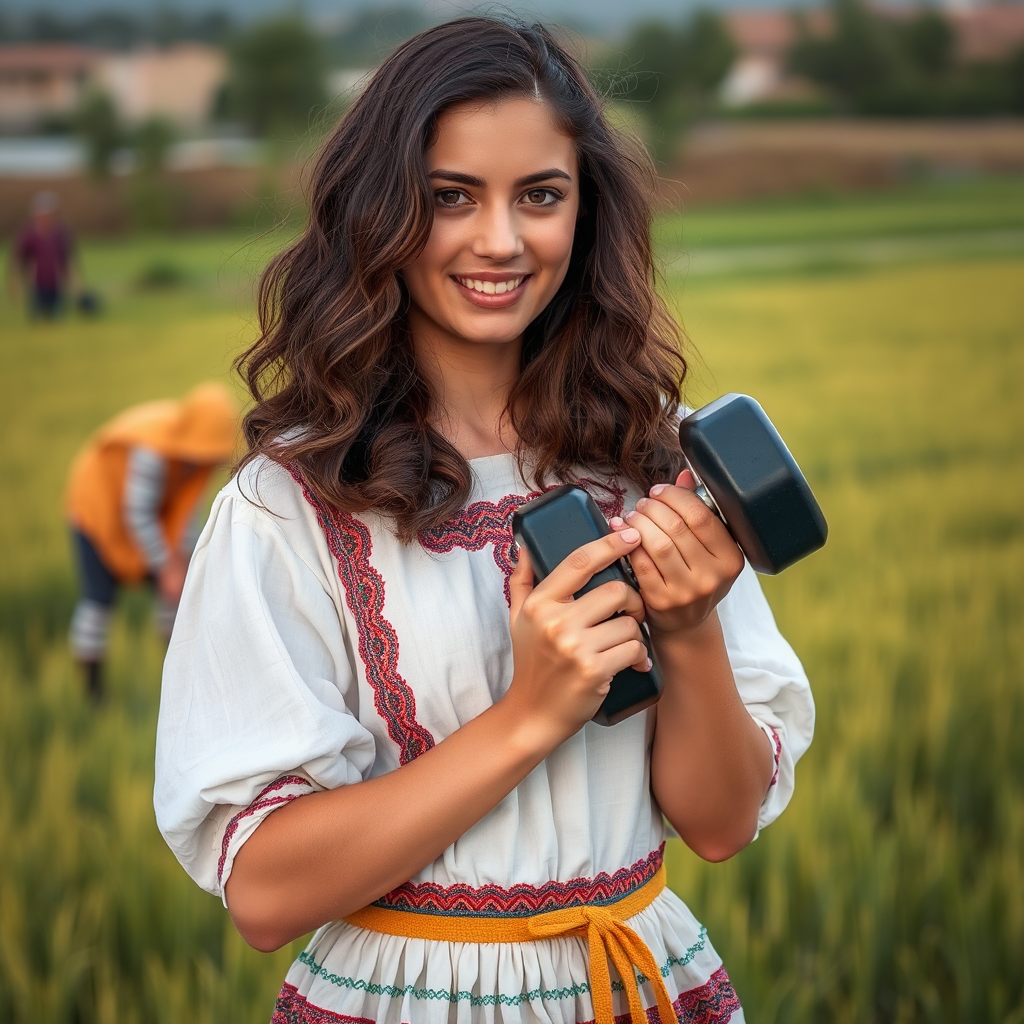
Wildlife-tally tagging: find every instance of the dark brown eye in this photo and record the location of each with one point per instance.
(448, 196)
(542, 197)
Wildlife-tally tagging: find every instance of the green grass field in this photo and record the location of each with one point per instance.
(892, 889)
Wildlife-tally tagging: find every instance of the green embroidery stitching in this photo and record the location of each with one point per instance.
(498, 999)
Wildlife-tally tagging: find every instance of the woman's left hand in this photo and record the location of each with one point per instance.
(687, 560)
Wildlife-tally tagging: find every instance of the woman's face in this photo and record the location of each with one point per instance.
(506, 194)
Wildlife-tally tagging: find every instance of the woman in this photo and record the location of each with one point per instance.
(374, 723)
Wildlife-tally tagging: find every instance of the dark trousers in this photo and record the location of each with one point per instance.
(46, 303)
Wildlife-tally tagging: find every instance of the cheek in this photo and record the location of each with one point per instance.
(423, 276)
(552, 243)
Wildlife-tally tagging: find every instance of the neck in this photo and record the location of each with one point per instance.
(471, 382)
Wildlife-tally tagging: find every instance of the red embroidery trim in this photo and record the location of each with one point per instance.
(262, 801)
(487, 522)
(349, 542)
(714, 1002)
(522, 900)
(292, 1008)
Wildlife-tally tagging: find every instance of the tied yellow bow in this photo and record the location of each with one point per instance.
(608, 938)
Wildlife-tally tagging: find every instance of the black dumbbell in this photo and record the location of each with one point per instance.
(746, 475)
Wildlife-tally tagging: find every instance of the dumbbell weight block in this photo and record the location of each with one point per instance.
(746, 475)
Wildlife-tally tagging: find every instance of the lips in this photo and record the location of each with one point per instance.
(491, 291)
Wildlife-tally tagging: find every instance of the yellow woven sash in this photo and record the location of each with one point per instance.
(608, 938)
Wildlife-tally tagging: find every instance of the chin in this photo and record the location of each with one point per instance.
(479, 335)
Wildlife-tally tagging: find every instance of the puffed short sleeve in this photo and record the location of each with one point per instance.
(259, 692)
(772, 683)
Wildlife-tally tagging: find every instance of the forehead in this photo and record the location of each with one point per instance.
(507, 138)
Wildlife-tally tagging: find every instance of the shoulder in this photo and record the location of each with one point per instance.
(265, 498)
(261, 523)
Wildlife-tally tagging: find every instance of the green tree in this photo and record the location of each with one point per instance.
(1015, 80)
(152, 142)
(98, 126)
(706, 52)
(860, 60)
(928, 41)
(276, 81)
(661, 66)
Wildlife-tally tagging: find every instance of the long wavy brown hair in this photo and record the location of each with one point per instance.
(335, 383)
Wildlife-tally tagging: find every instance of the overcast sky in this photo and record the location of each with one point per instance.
(601, 14)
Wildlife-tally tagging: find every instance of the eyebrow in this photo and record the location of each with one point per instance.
(473, 182)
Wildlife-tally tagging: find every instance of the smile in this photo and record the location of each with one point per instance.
(491, 287)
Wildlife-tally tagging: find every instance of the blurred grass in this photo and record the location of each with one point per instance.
(923, 209)
(892, 889)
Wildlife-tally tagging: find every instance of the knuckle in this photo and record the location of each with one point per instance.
(644, 570)
(663, 548)
(700, 515)
(678, 527)
(579, 560)
(551, 630)
(565, 643)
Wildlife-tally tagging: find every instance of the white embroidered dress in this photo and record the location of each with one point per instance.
(313, 650)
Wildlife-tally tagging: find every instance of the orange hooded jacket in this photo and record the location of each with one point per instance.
(194, 435)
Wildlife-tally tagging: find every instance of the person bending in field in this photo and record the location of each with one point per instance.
(376, 723)
(44, 255)
(131, 498)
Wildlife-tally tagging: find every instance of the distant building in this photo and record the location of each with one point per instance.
(179, 83)
(763, 39)
(42, 82)
(38, 82)
(987, 33)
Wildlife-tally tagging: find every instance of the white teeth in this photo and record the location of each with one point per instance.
(490, 287)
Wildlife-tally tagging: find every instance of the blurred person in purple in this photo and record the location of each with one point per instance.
(44, 255)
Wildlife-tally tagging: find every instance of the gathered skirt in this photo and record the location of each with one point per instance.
(349, 975)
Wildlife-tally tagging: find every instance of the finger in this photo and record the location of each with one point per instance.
(662, 550)
(574, 571)
(631, 654)
(646, 573)
(686, 479)
(607, 600)
(701, 521)
(672, 530)
(520, 583)
(613, 633)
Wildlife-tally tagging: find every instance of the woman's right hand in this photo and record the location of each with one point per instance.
(566, 651)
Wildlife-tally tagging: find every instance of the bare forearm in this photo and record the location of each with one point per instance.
(711, 764)
(328, 854)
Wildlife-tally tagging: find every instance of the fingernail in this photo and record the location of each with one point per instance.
(650, 665)
(630, 535)
(615, 522)
(630, 516)
(657, 489)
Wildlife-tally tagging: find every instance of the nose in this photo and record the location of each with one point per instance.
(498, 236)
